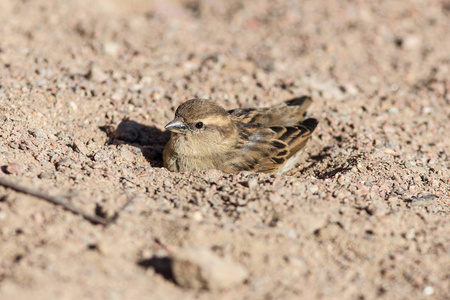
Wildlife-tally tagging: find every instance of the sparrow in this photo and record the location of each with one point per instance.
(205, 136)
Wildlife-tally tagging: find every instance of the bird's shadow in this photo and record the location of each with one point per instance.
(149, 139)
(161, 265)
(337, 167)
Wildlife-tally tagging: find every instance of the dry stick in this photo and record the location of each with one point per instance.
(57, 201)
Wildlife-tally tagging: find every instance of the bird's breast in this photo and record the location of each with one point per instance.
(182, 155)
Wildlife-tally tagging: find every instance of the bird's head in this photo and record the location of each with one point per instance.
(201, 118)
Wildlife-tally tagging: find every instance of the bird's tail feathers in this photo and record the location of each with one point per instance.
(303, 101)
(310, 123)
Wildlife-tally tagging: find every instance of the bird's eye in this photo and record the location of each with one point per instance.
(199, 125)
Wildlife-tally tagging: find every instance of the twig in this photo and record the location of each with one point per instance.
(57, 201)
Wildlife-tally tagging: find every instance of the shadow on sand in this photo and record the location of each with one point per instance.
(149, 139)
(161, 265)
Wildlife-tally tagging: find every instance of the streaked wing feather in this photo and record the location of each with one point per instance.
(289, 113)
(268, 149)
(247, 116)
(270, 136)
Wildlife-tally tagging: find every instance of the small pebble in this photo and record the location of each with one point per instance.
(428, 290)
(201, 268)
(313, 188)
(253, 183)
(214, 176)
(96, 74)
(79, 146)
(197, 216)
(47, 175)
(14, 168)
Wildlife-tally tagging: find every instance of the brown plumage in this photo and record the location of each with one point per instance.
(206, 136)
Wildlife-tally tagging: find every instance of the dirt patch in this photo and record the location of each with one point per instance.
(87, 86)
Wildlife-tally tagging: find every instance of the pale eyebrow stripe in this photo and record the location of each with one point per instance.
(215, 120)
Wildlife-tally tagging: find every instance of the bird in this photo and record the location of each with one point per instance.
(205, 136)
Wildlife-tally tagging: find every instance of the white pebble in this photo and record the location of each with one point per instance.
(428, 290)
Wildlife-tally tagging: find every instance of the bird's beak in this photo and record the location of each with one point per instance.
(176, 125)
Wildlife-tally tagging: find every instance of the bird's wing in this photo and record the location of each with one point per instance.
(250, 116)
(289, 113)
(267, 149)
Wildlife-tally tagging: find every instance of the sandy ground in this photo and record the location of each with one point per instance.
(86, 88)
